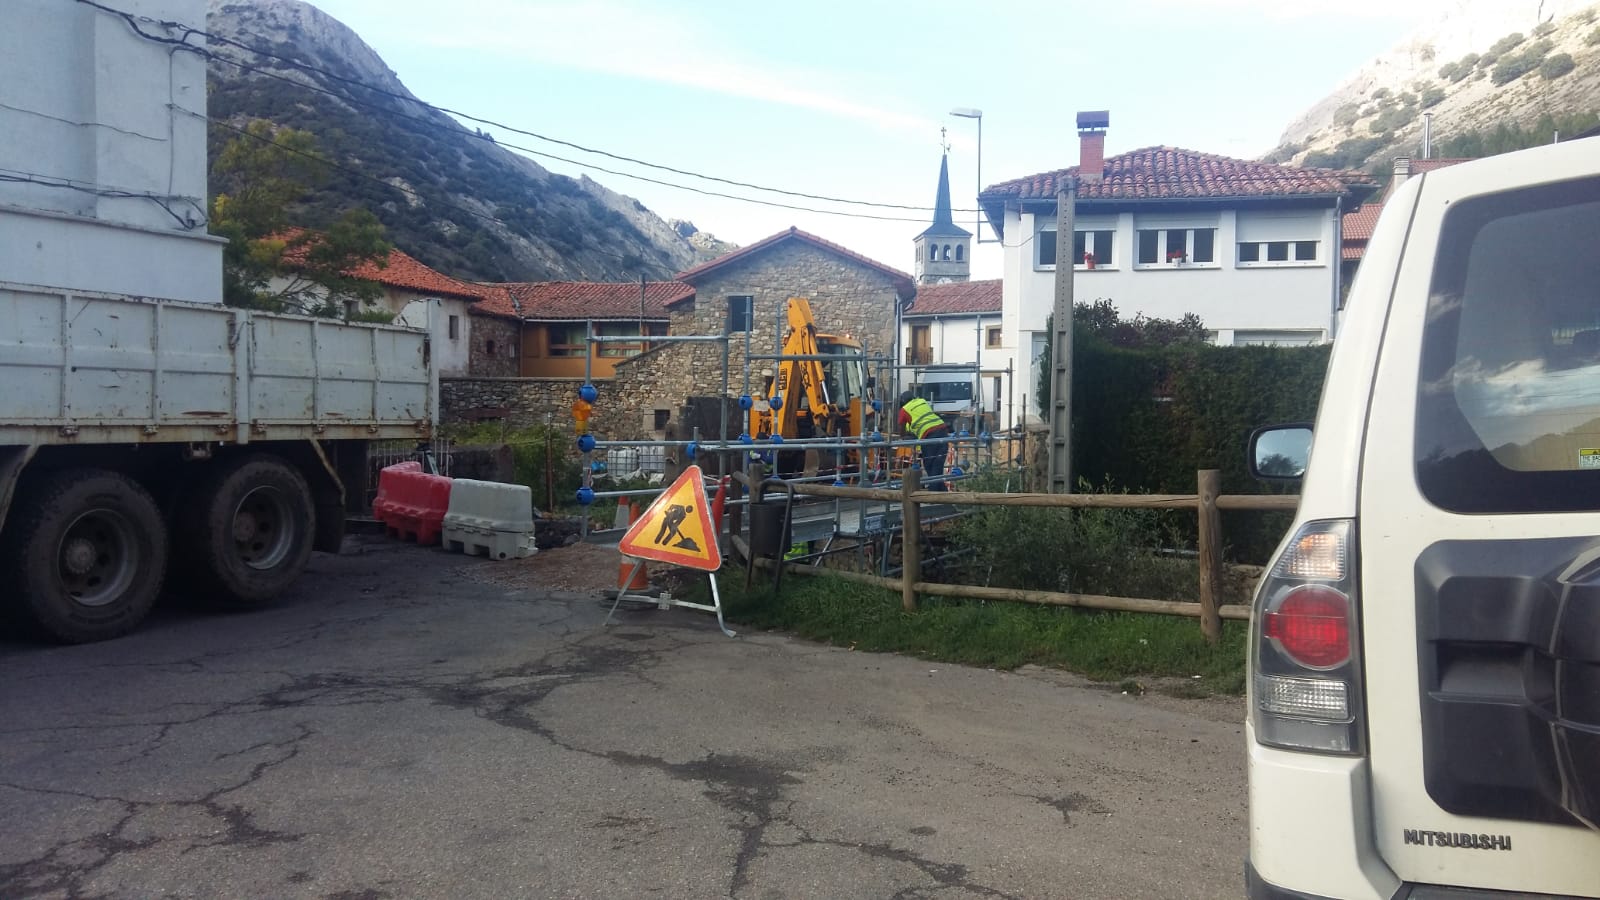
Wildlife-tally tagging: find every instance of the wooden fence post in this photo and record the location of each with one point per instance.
(1210, 483)
(910, 538)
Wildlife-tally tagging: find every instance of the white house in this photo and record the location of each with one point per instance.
(1251, 248)
(420, 297)
(961, 323)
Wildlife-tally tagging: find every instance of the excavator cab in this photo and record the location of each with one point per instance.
(822, 392)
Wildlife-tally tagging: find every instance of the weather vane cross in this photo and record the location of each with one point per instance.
(943, 141)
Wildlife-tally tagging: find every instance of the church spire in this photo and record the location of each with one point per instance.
(944, 222)
(944, 249)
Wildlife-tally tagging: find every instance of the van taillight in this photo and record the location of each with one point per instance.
(1312, 626)
(1305, 689)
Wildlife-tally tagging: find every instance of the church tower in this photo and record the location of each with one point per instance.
(944, 251)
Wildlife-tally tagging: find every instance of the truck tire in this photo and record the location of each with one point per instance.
(247, 532)
(89, 551)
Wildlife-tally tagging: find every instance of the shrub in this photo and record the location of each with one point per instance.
(1380, 93)
(1432, 97)
(1557, 66)
(1348, 114)
(1452, 72)
(1543, 28)
(1407, 98)
(1506, 44)
(1513, 67)
(1592, 38)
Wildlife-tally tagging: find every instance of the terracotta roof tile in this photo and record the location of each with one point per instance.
(593, 299)
(902, 282)
(1357, 226)
(401, 270)
(1158, 173)
(966, 298)
(497, 302)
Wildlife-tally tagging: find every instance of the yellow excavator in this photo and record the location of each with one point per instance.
(823, 393)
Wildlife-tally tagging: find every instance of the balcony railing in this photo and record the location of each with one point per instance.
(919, 356)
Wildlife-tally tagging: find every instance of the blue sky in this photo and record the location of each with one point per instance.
(846, 99)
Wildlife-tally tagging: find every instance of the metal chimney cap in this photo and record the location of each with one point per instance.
(1094, 120)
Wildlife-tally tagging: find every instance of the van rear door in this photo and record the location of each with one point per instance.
(1479, 533)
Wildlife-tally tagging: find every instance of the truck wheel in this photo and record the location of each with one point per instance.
(89, 550)
(247, 531)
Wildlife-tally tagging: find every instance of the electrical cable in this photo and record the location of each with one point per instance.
(17, 176)
(395, 95)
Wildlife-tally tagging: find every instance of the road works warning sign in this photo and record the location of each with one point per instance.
(677, 529)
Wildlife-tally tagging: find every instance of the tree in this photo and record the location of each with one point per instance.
(1101, 321)
(262, 180)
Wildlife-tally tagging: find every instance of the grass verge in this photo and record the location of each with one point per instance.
(1104, 646)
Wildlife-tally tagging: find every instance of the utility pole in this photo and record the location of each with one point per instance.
(1060, 449)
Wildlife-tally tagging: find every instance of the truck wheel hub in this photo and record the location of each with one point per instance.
(78, 556)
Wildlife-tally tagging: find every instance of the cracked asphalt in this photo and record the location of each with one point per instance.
(398, 728)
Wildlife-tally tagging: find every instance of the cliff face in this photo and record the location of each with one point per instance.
(1482, 65)
(447, 194)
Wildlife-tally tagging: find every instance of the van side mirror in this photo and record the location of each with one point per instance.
(1280, 452)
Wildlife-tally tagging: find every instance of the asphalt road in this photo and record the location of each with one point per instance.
(398, 728)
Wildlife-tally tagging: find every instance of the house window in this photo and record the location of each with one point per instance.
(961, 252)
(992, 337)
(620, 329)
(488, 348)
(739, 312)
(351, 307)
(1284, 252)
(1044, 242)
(1098, 243)
(1093, 240)
(1158, 246)
(662, 417)
(568, 340)
(933, 253)
(455, 328)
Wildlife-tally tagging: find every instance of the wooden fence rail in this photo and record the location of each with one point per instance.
(1207, 502)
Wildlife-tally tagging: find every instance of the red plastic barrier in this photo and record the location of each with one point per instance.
(383, 504)
(412, 504)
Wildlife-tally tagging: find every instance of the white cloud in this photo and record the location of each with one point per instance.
(647, 43)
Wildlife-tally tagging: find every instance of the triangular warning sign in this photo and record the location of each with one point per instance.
(677, 528)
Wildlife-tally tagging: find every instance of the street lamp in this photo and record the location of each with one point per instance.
(967, 112)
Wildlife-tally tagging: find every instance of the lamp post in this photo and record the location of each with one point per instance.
(967, 112)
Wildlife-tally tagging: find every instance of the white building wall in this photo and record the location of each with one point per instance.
(93, 113)
(956, 340)
(1230, 297)
(434, 314)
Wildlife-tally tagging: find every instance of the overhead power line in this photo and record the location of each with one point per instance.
(395, 95)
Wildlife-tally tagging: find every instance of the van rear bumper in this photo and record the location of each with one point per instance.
(1258, 889)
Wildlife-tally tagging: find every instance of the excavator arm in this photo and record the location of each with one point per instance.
(800, 389)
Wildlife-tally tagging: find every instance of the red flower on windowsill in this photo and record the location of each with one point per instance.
(1176, 256)
(1088, 260)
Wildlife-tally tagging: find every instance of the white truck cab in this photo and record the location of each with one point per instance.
(1424, 698)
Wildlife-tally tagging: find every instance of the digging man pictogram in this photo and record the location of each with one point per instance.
(670, 528)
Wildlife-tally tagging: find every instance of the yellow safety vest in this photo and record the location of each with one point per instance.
(923, 418)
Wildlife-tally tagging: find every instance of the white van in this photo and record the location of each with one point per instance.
(1424, 701)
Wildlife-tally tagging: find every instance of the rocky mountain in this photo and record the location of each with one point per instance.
(1493, 73)
(447, 194)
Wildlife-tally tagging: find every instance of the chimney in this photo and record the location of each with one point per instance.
(1402, 171)
(1427, 135)
(1092, 127)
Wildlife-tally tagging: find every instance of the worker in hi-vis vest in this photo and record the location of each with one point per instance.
(918, 419)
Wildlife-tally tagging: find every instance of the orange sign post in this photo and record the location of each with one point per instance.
(677, 529)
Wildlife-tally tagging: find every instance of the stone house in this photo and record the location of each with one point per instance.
(744, 292)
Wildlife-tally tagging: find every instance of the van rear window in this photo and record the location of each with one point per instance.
(1508, 405)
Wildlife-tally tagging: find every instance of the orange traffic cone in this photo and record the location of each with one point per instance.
(640, 581)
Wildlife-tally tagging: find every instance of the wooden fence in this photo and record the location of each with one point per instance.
(1207, 502)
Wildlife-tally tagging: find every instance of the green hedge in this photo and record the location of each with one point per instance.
(1148, 419)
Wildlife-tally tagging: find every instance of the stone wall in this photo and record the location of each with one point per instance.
(536, 401)
(846, 297)
(506, 335)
